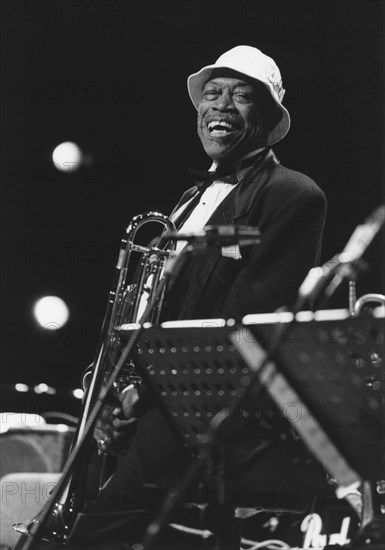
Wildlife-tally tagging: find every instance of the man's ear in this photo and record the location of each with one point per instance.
(271, 114)
(272, 118)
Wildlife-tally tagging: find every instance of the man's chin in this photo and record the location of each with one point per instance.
(220, 153)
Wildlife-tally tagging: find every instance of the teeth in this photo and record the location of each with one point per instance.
(222, 124)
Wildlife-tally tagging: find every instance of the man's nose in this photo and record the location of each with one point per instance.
(225, 102)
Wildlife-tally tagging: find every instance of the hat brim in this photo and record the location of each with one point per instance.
(196, 82)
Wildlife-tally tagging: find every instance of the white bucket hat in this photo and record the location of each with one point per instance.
(255, 65)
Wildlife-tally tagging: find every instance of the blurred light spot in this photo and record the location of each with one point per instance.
(41, 388)
(78, 393)
(51, 312)
(21, 387)
(44, 388)
(67, 157)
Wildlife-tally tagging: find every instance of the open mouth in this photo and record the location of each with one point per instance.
(219, 128)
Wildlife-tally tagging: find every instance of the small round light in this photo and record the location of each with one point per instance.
(78, 393)
(67, 157)
(51, 312)
(21, 387)
(41, 388)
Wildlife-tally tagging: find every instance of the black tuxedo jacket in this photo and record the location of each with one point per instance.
(289, 209)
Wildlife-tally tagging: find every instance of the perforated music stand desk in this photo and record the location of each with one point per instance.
(195, 370)
(327, 363)
(333, 366)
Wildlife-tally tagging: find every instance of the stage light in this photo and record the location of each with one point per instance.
(41, 388)
(67, 157)
(51, 312)
(21, 387)
(78, 393)
(44, 388)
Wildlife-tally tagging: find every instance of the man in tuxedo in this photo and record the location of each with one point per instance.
(240, 117)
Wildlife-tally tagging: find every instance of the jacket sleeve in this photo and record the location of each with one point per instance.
(291, 234)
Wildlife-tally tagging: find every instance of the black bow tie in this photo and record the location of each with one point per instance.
(224, 172)
(204, 178)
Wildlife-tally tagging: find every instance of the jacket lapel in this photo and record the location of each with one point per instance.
(239, 202)
(187, 195)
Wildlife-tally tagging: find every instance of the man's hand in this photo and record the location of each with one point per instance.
(116, 423)
(128, 397)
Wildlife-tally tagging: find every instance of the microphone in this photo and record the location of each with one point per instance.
(342, 263)
(226, 235)
(364, 234)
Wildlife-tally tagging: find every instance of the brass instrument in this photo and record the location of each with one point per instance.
(356, 306)
(128, 301)
(126, 304)
(372, 298)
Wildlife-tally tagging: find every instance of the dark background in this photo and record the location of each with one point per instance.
(111, 76)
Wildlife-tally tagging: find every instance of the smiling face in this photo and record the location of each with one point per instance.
(230, 123)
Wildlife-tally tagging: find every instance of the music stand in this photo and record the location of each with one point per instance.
(198, 374)
(331, 365)
(187, 357)
(199, 378)
(331, 369)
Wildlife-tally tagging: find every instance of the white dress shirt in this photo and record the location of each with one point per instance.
(211, 198)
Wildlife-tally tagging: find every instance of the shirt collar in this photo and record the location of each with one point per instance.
(237, 164)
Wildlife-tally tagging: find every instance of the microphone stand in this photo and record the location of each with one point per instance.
(347, 264)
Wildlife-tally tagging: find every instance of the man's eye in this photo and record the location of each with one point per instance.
(242, 97)
(210, 94)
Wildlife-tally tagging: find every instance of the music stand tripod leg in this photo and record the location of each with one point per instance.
(372, 530)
